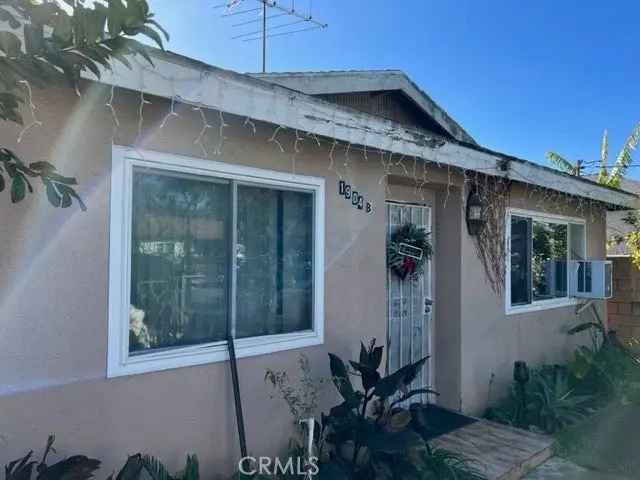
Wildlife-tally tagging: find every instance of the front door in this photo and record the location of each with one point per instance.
(409, 301)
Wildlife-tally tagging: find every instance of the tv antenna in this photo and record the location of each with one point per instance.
(292, 20)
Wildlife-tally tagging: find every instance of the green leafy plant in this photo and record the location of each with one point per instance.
(441, 464)
(300, 397)
(45, 43)
(605, 177)
(367, 435)
(611, 372)
(140, 467)
(554, 404)
(548, 402)
(76, 467)
(632, 238)
(81, 467)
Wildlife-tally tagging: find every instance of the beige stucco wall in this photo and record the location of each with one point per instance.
(492, 340)
(475, 341)
(54, 290)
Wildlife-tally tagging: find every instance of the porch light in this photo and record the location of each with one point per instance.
(475, 213)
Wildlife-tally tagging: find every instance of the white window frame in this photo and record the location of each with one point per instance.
(537, 305)
(119, 362)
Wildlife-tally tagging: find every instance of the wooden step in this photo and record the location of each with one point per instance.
(499, 451)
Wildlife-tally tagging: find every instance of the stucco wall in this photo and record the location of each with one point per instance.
(491, 340)
(53, 295)
(54, 278)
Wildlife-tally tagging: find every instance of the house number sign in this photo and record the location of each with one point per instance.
(357, 199)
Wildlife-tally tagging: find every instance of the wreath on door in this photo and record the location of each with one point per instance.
(408, 250)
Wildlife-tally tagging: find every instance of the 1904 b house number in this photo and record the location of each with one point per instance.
(356, 198)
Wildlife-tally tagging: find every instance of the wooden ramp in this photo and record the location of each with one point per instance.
(499, 451)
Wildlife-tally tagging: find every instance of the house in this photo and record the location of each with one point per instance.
(264, 202)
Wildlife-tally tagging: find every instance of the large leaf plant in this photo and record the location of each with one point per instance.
(610, 178)
(368, 434)
(45, 43)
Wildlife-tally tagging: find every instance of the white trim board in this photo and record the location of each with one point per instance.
(119, 362)
(243, 95)
(537, 305)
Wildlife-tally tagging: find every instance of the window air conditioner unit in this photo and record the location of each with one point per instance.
(590, 279)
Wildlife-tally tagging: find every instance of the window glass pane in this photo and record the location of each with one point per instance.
(549, 260)
(179, 261)
(520, 277)
(577, 242)
(275, 261)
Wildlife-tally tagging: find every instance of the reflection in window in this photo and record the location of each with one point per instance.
(275, 261)
(181, 289)
(549, 263)
(520, 257)
(538, 253)
(179, 262)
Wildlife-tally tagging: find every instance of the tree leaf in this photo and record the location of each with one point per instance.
(603, 173)
(77, 467)
(152, 34)
(18, 188)
(368, 375)
(340, 377)
(20, 469)
(389, 385)
(560, 162)
(131, 469)
(624, 157)
(52, 194)
(159, 27)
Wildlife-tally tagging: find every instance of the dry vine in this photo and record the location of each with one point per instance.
(490, 241)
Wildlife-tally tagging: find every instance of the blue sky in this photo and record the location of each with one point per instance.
(521, 77)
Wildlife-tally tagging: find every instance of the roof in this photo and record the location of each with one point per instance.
(197, 83)
(354, 81)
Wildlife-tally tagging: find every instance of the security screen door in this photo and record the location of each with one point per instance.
(409, 304)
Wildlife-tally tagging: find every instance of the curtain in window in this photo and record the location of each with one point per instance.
(274, 261)
(179, 280)
(520, 260)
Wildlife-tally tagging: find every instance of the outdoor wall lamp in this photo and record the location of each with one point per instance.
(475, 213)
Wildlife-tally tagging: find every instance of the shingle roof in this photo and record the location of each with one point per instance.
(350, 81)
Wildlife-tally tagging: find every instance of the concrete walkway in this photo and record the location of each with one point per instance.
(557, 468)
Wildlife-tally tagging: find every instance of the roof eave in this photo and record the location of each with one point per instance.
(369, 81)
(211, 87)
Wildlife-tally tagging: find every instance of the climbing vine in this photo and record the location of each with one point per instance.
(490, 241)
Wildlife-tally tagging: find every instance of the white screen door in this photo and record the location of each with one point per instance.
(409, 304)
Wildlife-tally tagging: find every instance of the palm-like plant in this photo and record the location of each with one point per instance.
(620, 166)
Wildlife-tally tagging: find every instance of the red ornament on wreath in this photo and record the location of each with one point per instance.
(407, 250)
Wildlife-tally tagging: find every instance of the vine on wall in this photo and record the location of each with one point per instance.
(490, 241)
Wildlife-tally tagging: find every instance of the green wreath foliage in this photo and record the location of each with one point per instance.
(403, 265)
